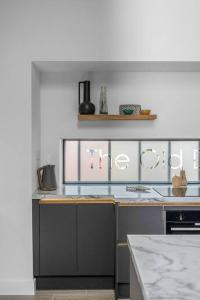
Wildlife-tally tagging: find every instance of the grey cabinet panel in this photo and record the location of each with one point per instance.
(96, 239)
(123, 261)
(36, 234)
(134, 220)
(58, 239)
(138, 220)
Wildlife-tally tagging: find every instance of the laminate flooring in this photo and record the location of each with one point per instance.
(65, 295)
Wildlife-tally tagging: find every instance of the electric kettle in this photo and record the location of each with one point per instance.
(47, 178)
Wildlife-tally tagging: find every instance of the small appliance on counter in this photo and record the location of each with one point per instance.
(86, 107)
(47, 178)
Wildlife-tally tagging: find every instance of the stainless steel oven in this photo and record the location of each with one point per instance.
(183, 222)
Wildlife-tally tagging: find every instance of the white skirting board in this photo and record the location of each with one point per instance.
(17, 287)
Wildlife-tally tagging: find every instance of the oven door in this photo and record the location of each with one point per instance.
(183, 228)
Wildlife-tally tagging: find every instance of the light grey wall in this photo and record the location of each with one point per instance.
(36, 125)
(69, 30)
(29, 31)
(173, 96)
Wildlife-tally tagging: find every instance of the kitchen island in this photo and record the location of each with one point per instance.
(164, 267)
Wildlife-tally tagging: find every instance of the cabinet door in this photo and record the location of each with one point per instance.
(123, 261)
(57, 239)
(96, 239)
(133, 220)
(138, 220)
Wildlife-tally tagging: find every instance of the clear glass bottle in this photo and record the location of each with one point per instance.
(103, 106)
(101, 100)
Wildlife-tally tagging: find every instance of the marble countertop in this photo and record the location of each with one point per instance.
(167, 266)
(117, 192)
(97, 190)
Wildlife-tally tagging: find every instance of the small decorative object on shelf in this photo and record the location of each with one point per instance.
(145, 112)
(86, 107)
(179, 181)
(103, 106)
(127, 111)
(123, 108)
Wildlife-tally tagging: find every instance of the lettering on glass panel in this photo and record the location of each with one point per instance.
(196, 154)
(185, 155)
(155, 160)
(94, 160)
(176, 160)
(124, 160)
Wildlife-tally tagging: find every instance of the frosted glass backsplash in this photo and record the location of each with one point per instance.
(129, 160)
(154, 157)
(94, 161)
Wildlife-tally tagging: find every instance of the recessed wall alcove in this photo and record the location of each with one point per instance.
(170, 89)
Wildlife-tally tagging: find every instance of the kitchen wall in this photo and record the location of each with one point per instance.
(36, 124)
(174, 96)
(69, 30)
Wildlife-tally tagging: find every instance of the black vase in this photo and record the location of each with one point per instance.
(86, 107)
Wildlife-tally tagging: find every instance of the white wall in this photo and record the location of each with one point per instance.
(29, 31)
(152, 30)
(174, 97)
(36, 125)
(68, 30)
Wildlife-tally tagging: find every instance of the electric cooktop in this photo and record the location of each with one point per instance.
(178, 192)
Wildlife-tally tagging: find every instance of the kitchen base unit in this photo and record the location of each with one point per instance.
(81, 242)
(133, 220)
(74, 245)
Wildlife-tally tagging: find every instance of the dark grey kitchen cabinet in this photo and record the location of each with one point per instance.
(133, 220)
(96, 239)
(123, 262)
(138, 220)
(58, 241)
(74, 245)
(36, 237)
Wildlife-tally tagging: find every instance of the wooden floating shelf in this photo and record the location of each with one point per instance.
(116, 117)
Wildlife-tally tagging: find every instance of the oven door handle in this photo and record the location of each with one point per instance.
(184, 229)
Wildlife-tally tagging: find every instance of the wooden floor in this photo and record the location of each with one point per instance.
(65, 295)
